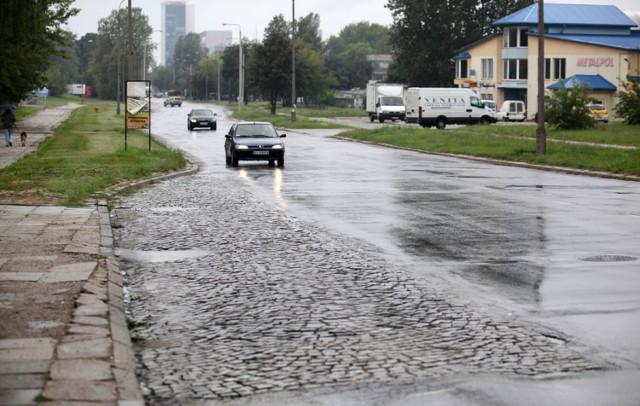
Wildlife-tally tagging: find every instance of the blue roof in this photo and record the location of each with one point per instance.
(570, 14)
(629, 42)
(465, 55)
(592, 82)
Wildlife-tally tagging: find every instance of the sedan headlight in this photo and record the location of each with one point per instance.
(277, 146)
(241, 147)
(193, 120)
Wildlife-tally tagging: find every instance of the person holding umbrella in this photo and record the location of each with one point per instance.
(8, 121)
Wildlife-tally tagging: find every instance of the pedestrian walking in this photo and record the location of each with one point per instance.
(8, 121)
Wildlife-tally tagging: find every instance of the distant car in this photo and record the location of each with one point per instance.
(173, 101)
(512, 110)
(253, 141)
(202, 118)
(599, 112)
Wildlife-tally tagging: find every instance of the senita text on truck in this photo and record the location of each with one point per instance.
(431, 106)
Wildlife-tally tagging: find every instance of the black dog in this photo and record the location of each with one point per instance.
(23, 138)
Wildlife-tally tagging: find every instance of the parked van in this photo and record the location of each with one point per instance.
(439, 106)
(512, 110)
(490, 104)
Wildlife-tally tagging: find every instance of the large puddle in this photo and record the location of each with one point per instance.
(160, 256)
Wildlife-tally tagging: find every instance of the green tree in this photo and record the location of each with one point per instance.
(206, 77)
(308, 31)
(57, 81)
(566, 108)
(346, 54)
(313, 83)
(109, 62)
(31, 33)
(162, 78)
(188, 53)
(426, 34)
(628, 108)
(270, 62)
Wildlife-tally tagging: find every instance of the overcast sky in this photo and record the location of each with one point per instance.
(255, 15)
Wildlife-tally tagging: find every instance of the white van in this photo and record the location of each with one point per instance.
(439, 106)
(512, 110)
(490, 104)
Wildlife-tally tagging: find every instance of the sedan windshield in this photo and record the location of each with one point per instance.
(202, 113)
(256, 130)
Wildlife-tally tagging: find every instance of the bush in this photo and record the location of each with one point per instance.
(566, 108)
(628, 108)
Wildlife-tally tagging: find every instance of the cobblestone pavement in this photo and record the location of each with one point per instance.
(232, 297)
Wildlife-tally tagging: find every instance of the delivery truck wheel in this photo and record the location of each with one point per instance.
(371, 118)
(441, 123)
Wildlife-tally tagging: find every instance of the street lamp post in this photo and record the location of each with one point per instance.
(119, 68)
(240, 69)
(82, 69)
(293, 60)
(541, 132)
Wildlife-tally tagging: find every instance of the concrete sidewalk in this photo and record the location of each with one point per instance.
(63, 335)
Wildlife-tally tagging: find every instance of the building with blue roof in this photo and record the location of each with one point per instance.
(593, 45)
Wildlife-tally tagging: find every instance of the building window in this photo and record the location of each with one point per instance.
(515, 37)
(461, 68)
(523, 69)
(524, 37)
(487, 69)
(515, 69)
(547, 68)
(559, 68)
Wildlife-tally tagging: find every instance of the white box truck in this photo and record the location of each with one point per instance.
(440, 106)
(385, 101)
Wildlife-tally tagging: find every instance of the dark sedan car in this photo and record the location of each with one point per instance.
(254, 142)
(202, 118)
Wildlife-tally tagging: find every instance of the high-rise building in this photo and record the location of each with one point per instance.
(216, 41)
(177, 20)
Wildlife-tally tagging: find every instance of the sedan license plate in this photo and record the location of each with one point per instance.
(204, 123)
(260, 152)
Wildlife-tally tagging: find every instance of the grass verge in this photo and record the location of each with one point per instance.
(514, 143)
(260, 112)
(86, 155)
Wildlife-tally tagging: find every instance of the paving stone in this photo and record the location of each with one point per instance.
(229, 306)
(96, 348)
(80, 390)
(81, 369)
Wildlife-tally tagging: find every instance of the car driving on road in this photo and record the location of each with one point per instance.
(202, 118)
(173, 101)
(254, 141)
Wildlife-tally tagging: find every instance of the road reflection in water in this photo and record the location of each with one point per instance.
(277, 188)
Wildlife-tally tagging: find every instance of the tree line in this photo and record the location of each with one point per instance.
(423, 38)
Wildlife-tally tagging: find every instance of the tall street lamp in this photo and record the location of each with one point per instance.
(82, 69)
(119, 89)
(293, 60)
(240, 69)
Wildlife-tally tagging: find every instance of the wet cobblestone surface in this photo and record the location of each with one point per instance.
(232, 297)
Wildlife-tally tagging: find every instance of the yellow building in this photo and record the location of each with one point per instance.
(594, 45)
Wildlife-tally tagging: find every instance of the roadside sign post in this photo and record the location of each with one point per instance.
(138, 110)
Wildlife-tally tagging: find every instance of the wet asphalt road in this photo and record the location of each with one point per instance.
(397, 272)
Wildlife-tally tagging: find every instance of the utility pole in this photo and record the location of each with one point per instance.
(293, 60)
(130, 46)
(541, 132)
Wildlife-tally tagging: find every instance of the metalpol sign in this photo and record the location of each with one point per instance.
(606, 62)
